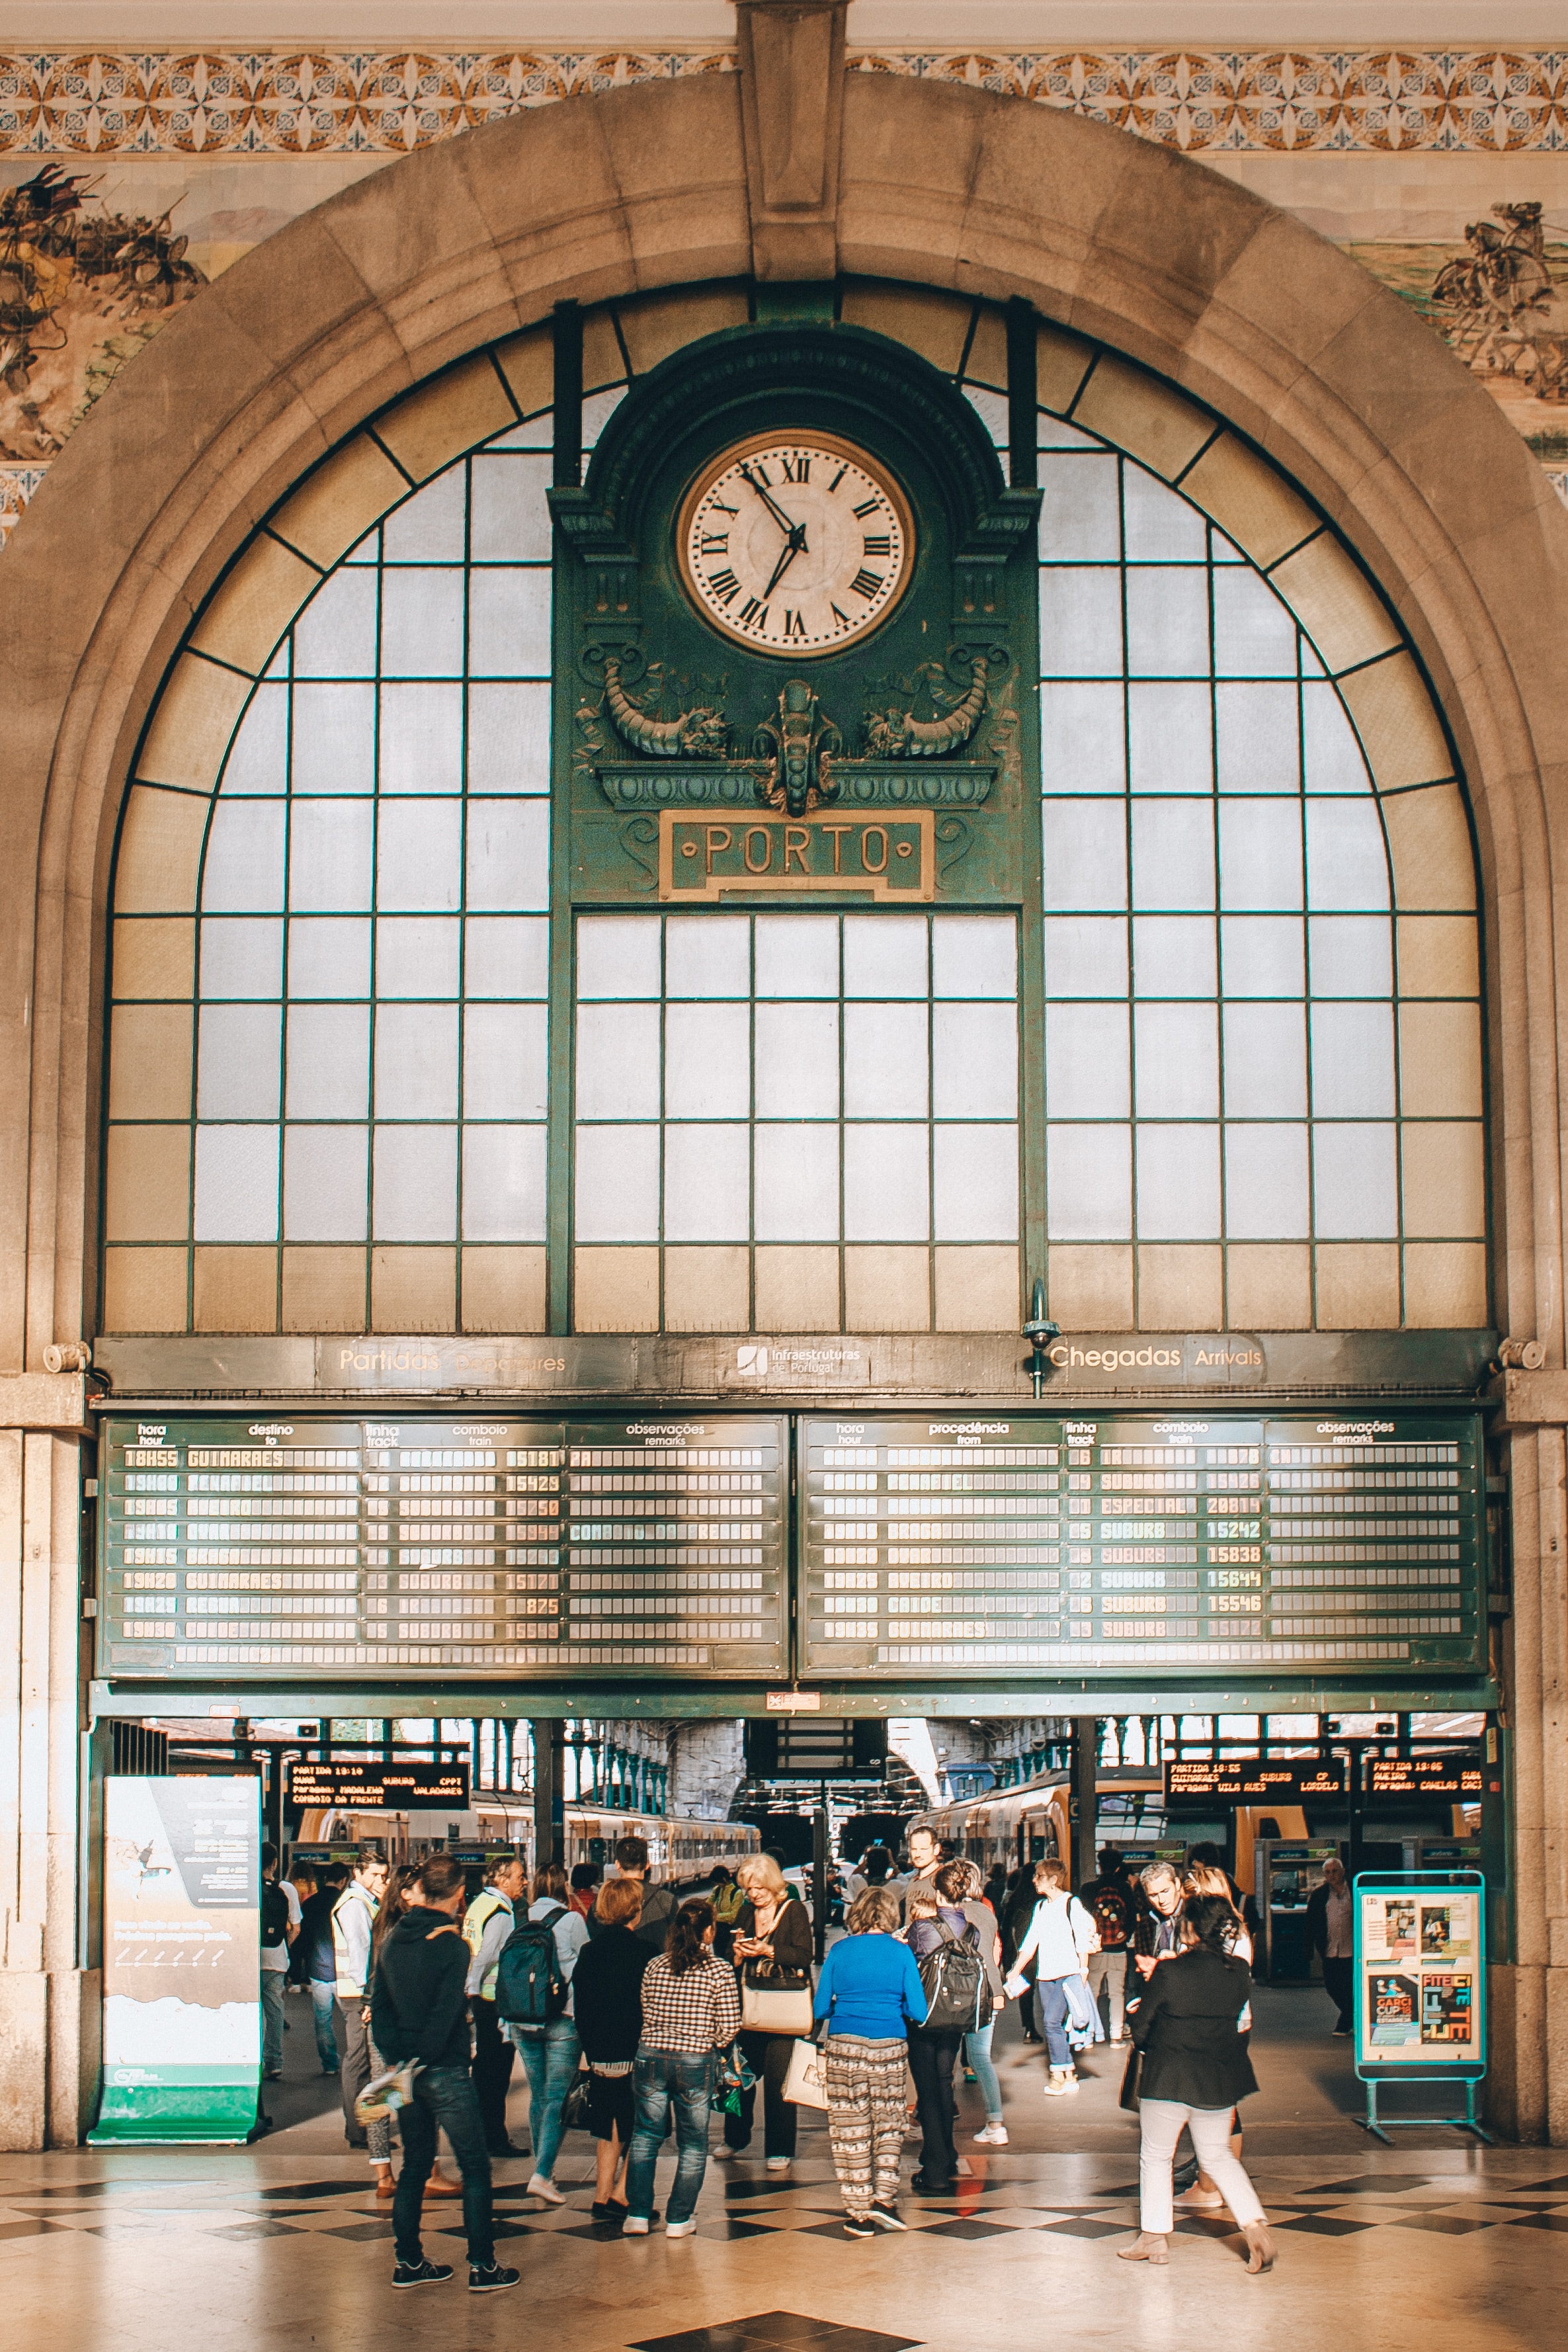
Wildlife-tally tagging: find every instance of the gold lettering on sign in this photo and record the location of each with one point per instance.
(891, 858)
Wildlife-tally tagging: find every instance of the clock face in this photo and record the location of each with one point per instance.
(795, 543)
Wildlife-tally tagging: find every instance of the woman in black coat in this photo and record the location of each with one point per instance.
(607, 2002)
(1195, 2068)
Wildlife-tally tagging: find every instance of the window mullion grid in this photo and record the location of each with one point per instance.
(930, 1124)
(463, 880)
(374, 1006)
(283, 970)
(1308, 983)
(843, 1135)
(751, 1123)
(1224, 1219)
(663, 1104)
(1132, 995)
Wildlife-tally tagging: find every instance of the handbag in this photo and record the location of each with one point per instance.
(574, 2106)
(806, 2083)
(781, 2008)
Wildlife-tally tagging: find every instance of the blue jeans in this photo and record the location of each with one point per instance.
(978, 2058)
(1050, 2010)
(443, 2100)
(550, 2059)
(323, 1998)
(660, 2077)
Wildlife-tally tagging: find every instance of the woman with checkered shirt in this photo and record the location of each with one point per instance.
(690, 2010)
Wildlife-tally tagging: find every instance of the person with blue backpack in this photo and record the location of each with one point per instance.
(533, 2001)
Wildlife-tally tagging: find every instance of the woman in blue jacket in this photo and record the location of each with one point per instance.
(870, 1994)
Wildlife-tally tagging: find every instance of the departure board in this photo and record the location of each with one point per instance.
(390, 1547)
(1104, 1543)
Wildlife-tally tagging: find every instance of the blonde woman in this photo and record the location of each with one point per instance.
(772, 1949)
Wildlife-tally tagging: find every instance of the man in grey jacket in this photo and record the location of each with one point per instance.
(353, 1916)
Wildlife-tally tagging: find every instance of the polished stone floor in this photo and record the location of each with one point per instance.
(278, 2247)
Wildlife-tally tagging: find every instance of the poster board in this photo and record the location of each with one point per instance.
(182, 1956)
(1420, 1973)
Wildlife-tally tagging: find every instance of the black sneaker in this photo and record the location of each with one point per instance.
(887, 2217)
(489, 2280)
(859, 2226)
(421, 2274)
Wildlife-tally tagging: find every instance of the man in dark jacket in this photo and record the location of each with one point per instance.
(420, 2011)
(658, 1903)
(317, 1963)
(1331, 1933)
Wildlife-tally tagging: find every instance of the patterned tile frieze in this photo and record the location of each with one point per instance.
(315, 101)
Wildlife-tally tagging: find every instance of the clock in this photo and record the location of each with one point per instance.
(795, 543)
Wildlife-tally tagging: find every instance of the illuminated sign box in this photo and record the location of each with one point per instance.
(398, 1785)
(1454, 1779)
(1243, 1781)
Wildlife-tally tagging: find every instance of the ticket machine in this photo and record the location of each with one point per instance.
(1290, 1872)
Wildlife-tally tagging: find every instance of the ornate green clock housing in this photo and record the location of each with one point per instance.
(795, 588)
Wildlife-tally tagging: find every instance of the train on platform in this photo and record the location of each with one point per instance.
(680, 1847)
(1011, 1826)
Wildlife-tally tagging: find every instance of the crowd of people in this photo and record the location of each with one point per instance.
(638, 2015)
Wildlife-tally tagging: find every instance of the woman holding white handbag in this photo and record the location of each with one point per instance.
(772, 1954)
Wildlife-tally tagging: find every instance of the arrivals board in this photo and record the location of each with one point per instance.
(977, 1544)
(392, 1547)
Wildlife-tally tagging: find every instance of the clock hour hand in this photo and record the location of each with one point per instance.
(774, 508)
(795, 546)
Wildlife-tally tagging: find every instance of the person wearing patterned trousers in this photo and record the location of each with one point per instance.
(868, 1996)
(865, 2119)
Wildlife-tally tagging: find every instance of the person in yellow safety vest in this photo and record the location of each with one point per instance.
(353, 1916)
(489, 1922)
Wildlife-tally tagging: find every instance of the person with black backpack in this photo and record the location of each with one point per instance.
(280, 1916)
(1108, 1900)
(533, 2001)
(947, 1954)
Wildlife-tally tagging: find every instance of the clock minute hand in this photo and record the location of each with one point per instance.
(797, 544)
(774, 508)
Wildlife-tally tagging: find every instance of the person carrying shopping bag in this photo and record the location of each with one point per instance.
(1194, 2068)
(691, 2009)
(771, 1947)
(869, 1996)
(1059, 1938)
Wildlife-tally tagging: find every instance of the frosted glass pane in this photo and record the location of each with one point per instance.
(885, 1058)
(1089, 1183)
(973, 1061)
(328, 1061)
(1050, 433)
(974, 955)
(1351, 955)
(1085, 955)
(428, 527)
(885, 955)
(1177, 1050)
(1161, 527)
(1178, 1183)
(237, 1061)
(1080, 624)
(1260, 853)
(506, 955)
(536, 434)
(1087, 1062)
(707, 1184)
(421, 739)
(325, 1184)
(1085, 845)
(330, 855)
(329, 955)
(258, 756)
(419, 853)
(618, 1060)
(975, 1175)
(422, 624)
(511, 517)
(617, 1184)
(415, 1196)
(992, 408)
(1170, 734)
(1254, 635)
(509, 622)
(243, 864)
(797, 1183)
(508, 855)
(1082, 736)
(597, 411)
(1173, 955)
(236, 1184)
(509, 739)
(503, 1183)
(616, 956)
(1168, 622)
(797, 955)
(334, 739)
(1347, 863)
(1352, 1061)
(504, 1061)
(242, 957)
(707, 955)
(1355, 1195)
(1079, 512)
(417, 955)
(1333, 760)
(1265, 1061)
(416, 1061)
(1256, 749)
(707, 1061)
(797, 1061)
(335, 636)
(1172, 853)
(887, 1183)
(1263, 955)
(1266, 1196)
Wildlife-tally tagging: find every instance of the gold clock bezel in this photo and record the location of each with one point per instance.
(720, 463)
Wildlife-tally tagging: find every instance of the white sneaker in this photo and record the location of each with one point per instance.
(725, 2154)
(1056, 2085)
(544, 2191)
(680, 2229)
(778, 2163)
(1198, 2201)
(634, 2226)
(994, 2136)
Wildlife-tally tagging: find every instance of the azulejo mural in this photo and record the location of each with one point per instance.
(1444, 172)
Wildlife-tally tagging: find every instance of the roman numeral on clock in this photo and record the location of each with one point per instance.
(753, 615)
(794, 624)
(715, 543)
(881, 544)
(867, 506)
(725, 586)
(867, 583)
(796, 469)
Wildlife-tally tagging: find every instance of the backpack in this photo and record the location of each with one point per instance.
(273, 1914)
(728, 1904)
(531, 1989)
(954, 1978)
(1111, 1916)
